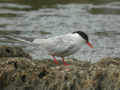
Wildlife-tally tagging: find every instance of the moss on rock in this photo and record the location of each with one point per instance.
(25, 74)
(9, 51)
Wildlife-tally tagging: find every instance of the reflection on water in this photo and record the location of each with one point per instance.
(43, 19)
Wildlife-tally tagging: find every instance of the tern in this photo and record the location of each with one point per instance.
(64, 45)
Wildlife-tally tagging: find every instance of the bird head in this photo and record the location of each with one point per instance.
(85, 37)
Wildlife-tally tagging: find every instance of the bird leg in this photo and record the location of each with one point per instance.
(65, 64)
(55, 60)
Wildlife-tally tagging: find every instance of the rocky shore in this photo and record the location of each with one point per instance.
(19, 72)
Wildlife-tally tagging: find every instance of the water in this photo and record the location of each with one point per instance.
(29, 19)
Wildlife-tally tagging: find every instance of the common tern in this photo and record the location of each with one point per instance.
(64, 45)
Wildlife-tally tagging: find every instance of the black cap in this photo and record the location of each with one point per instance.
(82, 34)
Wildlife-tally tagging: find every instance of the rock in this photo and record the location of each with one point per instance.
(7, 51)
(20, 73)
(25, 74)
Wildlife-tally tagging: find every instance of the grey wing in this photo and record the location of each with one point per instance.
(59, 45)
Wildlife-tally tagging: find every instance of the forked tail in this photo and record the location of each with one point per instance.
(21, 40)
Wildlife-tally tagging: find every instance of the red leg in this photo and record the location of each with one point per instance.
(64, 62)
(55, 60)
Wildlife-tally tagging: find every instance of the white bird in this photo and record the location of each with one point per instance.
(64, 45)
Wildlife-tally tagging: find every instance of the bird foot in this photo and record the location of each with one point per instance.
(56, 62)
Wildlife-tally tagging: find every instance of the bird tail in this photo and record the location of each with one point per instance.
(21, 40)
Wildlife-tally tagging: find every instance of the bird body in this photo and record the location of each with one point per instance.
(63, 45)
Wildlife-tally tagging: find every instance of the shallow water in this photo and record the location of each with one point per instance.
(43, 19)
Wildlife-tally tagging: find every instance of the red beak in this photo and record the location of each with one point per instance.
(89, 44)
